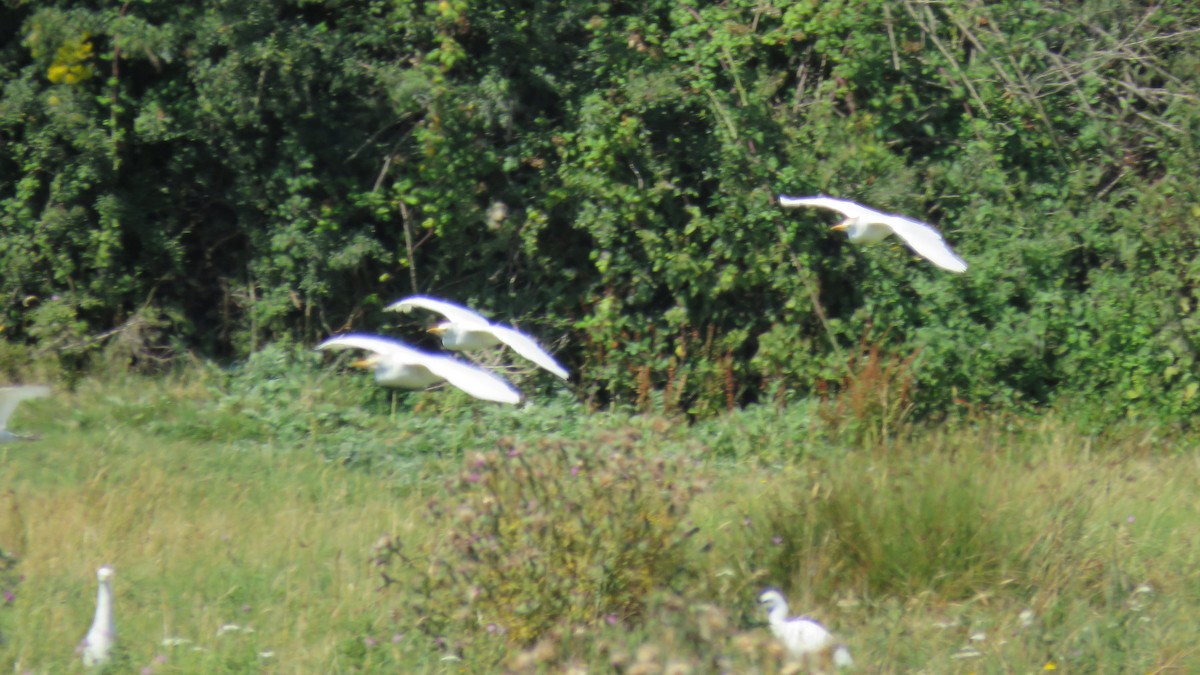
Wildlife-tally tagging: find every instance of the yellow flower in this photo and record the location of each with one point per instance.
(72, 62)
(1050, 666)
(57, 73)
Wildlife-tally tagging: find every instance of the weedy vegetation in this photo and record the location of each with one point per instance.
(988, 472)
(282, 518)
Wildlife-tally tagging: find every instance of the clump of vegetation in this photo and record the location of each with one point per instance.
(874, 395)
(873, 528)
(608, 186)
(680, 635)
(9, 580)
(1036, 545)
(550, 534)
(930, 524)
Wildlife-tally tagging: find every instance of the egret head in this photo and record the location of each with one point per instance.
(440, 329)
(104, 573)
(772, 598)
(842, 226)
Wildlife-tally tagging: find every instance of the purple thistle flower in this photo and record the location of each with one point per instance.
(9, 597)
(611, 619)
(472, 477)
(777, 540)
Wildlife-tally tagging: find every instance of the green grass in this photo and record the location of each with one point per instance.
(257, 497)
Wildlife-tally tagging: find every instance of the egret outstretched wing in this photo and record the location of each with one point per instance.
(527, 347)
(455, 313)
(391, 349)
(847, 208)
(866, 225)
(392, 354)
(466, 330)
(927, 243)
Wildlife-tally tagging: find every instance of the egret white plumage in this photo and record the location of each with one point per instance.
(98, 644)
(804, 638)
(10, 397)
(400, 366)
(866, 226)
(466, 330)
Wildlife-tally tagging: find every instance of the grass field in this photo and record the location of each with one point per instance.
(244, 515)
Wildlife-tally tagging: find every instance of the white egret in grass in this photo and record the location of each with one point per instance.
(400, 366)
(867, 226)
(805, 639)
(9, 398)
(98, 643)
(466, 330)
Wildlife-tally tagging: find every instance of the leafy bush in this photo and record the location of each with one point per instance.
(604, 175)
(552, 534)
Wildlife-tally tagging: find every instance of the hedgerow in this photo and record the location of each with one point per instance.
(603, 174)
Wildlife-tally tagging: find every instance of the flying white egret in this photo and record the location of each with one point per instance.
(805, 639)
(9, 398)
(98, 643)
(467, 330)
(867, 226)
(400, 366)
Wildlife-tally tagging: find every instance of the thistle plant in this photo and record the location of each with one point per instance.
(553, 534)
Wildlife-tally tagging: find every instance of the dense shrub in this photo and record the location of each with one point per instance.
(550, 535)
(604, 172)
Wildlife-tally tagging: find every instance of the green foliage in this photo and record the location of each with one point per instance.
(603, 174)
(929, 525)
(936, 527)
(10, 580)
(552, 534)
(991, 544)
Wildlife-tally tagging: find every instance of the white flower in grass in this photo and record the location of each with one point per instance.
(1026, 617)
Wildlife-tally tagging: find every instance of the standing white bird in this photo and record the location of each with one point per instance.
(9, 398)
(467, 330)
(98, 643)
(398, 365)
(867, 226)
(805, 639)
